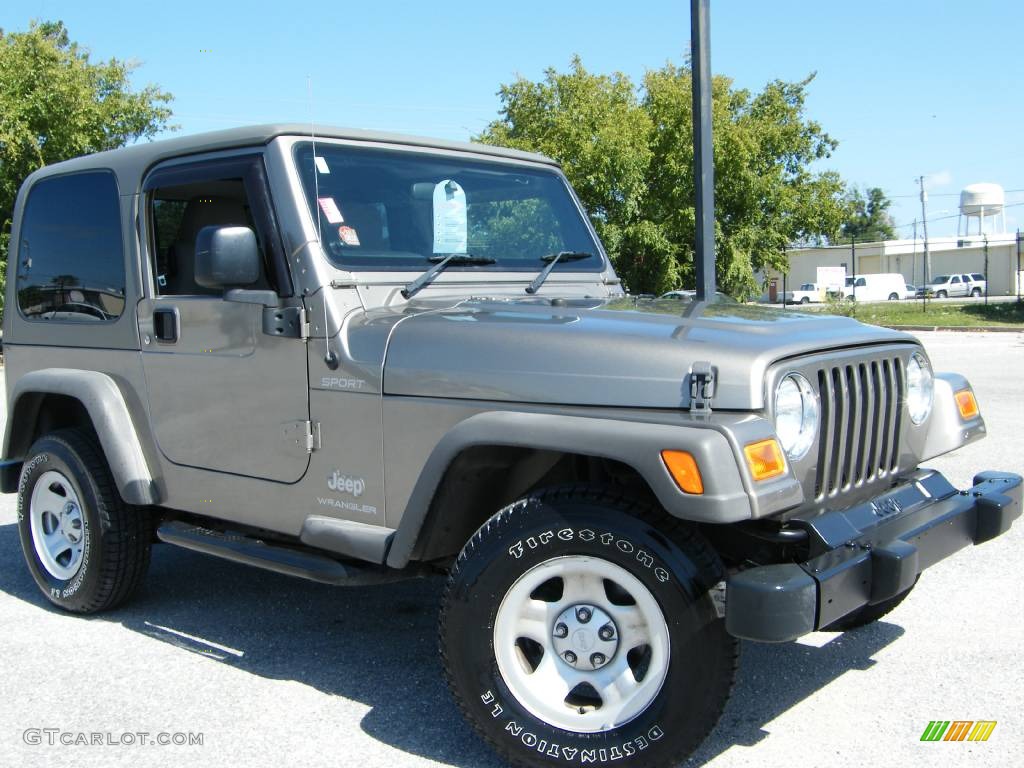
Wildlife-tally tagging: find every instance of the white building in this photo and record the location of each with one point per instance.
(948, 255)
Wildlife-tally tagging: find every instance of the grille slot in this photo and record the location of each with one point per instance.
(859, 441)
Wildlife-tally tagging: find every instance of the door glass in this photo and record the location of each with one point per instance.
(178, 213)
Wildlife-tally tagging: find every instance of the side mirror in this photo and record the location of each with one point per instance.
(226, 257)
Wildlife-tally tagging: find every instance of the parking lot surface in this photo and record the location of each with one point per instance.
(272, 671)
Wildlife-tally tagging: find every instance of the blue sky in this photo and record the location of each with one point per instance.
(907, 87)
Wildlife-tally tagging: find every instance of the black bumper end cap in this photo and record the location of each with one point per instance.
(894, 569)
(772, 603)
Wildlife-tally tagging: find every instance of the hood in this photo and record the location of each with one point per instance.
(617, 352)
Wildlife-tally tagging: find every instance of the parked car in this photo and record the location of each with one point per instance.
(351, 361)
(885, 286)
(956, 285)
(805, 294)
(910, 292)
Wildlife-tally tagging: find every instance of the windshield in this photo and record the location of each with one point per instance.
(941, 279)
(395, 210)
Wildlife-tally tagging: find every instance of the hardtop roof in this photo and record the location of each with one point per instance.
(138, 157)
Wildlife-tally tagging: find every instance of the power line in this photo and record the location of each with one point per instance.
(951, 216)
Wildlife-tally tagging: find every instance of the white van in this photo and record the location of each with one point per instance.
(888, 286)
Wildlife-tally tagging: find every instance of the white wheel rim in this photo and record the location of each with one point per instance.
(635, 658)
(57, 524)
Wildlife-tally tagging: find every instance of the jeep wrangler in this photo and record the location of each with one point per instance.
(356, 357)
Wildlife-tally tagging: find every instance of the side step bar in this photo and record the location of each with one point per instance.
(249, 550)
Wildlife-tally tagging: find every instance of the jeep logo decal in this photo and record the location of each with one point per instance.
(344, 484)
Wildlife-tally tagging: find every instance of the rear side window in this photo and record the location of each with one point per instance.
(70, 253)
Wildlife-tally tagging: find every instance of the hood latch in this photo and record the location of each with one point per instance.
(702, 387)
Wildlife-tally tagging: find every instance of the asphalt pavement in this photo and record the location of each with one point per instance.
(272, 671)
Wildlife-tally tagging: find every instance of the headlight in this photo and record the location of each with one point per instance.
(920, 388)
(796, 415)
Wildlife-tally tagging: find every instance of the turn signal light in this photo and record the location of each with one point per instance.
(765, 459)
(967, 404)
(683, 468)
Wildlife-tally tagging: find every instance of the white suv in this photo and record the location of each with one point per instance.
(944, 286)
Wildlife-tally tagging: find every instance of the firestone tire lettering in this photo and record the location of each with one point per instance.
(625, 546)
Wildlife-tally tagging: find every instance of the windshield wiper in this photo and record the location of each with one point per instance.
(443, 260)
(552, 259)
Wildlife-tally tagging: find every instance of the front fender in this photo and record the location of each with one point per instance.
(713, 443)
(102, 399)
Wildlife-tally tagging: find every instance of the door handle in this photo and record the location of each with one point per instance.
(166, 324)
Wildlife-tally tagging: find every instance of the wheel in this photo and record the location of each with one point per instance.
(86, 549)
(869, 614)
(894, 297)
(941, 295)
(579, 625)
(976, 292)
(805, 300)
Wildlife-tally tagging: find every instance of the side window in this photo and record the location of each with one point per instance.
(955, 279)
(978, 277)
(861, 282)
(71, 254)
(178, 213)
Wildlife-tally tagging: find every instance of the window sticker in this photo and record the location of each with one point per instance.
(321, 165)
(348, 236)
(450, 224)
(330, 209)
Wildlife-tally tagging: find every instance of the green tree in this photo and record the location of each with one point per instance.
(628, 151)
(869, 219)
(56, 104)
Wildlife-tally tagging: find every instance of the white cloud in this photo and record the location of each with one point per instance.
(938, 179)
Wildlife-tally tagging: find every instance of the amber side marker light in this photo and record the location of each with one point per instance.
(683, 468)
(967, 404)
(765, 459)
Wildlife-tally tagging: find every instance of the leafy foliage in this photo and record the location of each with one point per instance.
(56, 104)
(628, 152)
(869, 220)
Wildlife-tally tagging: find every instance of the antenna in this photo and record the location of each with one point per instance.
(330, 359)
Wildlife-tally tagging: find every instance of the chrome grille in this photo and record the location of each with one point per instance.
(860, 424)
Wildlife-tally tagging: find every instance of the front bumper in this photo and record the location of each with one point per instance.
(869, 553)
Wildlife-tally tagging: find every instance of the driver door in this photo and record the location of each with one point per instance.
(223, 395)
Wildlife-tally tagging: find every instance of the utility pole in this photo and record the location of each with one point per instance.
(703, 160)
(1018, 275)
(913, 258)
(853, 265)
(927, 253)
(986, 270)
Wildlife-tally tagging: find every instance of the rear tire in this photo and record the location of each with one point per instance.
(894, 297)
(86, 549)
(805, 300)
(537, 682)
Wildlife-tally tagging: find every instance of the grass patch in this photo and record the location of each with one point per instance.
(942, 314)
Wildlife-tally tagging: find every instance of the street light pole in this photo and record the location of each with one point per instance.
(703, 160)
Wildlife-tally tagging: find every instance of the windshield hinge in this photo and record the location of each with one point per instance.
(312, 436)
(702, 387)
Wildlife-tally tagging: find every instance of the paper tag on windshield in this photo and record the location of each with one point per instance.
(450, 225)
(330, 209)
(321, 165)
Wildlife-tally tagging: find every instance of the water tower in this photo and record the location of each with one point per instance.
(981, 201)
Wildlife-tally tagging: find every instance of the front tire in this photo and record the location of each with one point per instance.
(869, 614)
(942, 295)
(579, 625)
(894, 297)
(976, 293)
(86, 549)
